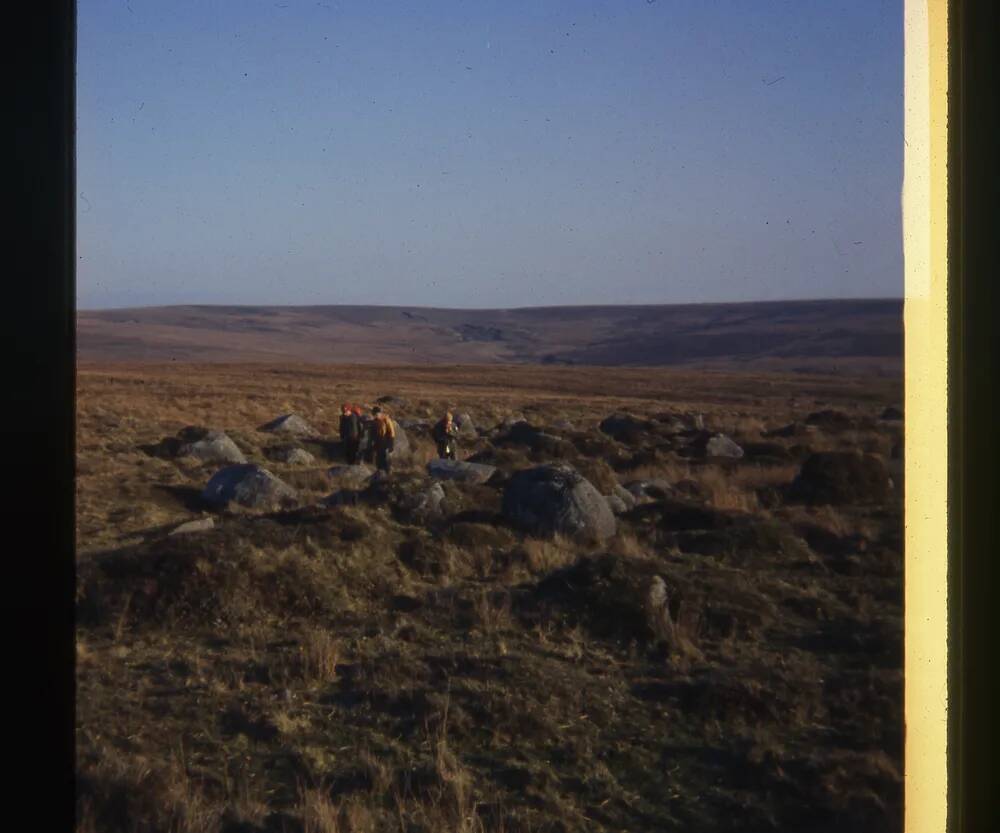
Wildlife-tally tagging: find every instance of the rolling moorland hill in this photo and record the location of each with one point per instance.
(808, 336)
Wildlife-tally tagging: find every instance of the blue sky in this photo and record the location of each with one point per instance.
(487, 154)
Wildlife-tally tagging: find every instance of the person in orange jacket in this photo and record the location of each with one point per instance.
(383, 439)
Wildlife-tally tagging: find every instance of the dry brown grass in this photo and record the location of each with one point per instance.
(328, 647)
(320, 655)
(545, 555)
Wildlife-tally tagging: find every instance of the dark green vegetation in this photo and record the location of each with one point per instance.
(370, 667)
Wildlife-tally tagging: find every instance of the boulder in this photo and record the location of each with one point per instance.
(293, 455)
(291, 424)
(459, 470)
(248, 485)
(625, 428)
(552, 499)
(616, 504)
(351, 477)
(215, 447)
(719, 445)
(709, 445)
(509, 422)
(671, 423)
(422, 505)
(200, 525)
(466, 427)
(420, 425)
(841, 477)
(625, 496)
(402, 449)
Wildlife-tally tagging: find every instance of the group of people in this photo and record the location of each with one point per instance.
(372, 437)
(368, 437)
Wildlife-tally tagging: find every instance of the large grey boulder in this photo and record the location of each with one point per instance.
(248, 485)
(351, 477)
(291, 424)
(214, 447)
(466, 427)
(460, 470)
(552, 499)
(402, 448)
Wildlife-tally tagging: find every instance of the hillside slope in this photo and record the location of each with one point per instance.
(806, 335)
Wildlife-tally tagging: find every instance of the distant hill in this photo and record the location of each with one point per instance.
(813, 336)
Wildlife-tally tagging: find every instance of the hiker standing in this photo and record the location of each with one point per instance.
(350, 433)
(384, 438)
(445, 434)
(366, 447)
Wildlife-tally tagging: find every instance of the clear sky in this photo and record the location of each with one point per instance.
(488, 154)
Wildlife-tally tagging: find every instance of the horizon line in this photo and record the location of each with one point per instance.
(884, 298)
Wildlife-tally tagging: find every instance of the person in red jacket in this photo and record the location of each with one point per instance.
(350, 433)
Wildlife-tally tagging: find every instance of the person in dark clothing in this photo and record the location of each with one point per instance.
(366, 447)
(383, 439)
(445, 434)
(350, 434)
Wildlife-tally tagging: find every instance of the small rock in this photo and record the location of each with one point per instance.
(200, 525)
(351, 477)
(719, 445)
(293, 455)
